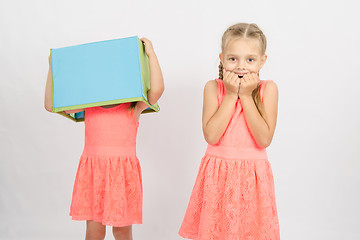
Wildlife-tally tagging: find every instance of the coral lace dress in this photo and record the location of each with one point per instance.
(108, 185)
(233, 197)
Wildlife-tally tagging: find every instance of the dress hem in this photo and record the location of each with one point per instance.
(105, 223)
(186, 236)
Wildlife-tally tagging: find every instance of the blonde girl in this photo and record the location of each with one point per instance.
(233, 196)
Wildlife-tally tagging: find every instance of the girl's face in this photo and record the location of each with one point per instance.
(242, 56)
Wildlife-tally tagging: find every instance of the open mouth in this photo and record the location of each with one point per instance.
(240, 76)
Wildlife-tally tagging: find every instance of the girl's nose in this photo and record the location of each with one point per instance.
(241, 65)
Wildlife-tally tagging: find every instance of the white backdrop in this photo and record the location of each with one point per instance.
(313, 56)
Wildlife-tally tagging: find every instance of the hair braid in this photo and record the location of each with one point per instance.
(221, 71)
(257, 99)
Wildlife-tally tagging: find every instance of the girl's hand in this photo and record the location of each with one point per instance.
(248, 84)
(231, 82)
(148, 46)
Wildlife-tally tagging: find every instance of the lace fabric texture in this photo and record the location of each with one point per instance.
(108, 184)
(233, 197)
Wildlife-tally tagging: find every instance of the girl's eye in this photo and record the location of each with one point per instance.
(232, 59)
(251, 60)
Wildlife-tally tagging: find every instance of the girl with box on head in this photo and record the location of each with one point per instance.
(108, 185)
(233, 196)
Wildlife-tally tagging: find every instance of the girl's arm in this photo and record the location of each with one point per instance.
(215, 118)
(48, 103)
(156, 78)
(261, 127)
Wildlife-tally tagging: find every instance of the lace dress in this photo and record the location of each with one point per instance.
(108, 185)
(233, 197)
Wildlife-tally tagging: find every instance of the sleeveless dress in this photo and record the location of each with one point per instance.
(108, 184)
(233, 197)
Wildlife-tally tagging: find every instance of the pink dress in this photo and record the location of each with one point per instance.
(233, 197)
(108, 185)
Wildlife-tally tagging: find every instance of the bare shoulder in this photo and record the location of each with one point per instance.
(210, 102)
(270, 95)
(270, 88)
(211, 84)
(211, 87)
(270, 83)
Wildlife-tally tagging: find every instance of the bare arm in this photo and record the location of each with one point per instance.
(215, 118)
(48, 103)
(261, 127)
(156, 77)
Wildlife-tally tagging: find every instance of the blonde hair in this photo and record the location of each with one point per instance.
(245, 30)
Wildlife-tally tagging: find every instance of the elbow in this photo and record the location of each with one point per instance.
(155, 95)
(48, 102)
(211, 139)
(264, 142)
(48, 107)
(161, 89)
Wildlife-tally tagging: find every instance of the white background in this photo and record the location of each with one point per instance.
(313, 56)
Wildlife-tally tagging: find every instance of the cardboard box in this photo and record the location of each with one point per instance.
(100, 73)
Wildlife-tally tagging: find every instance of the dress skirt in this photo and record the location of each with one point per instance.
(108, 190)
(232, 199)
